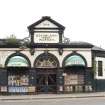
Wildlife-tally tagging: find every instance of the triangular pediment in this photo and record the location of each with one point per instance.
(46, 30)
(46, 22)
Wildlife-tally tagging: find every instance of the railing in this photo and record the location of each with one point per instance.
(46, 88)
(5, 90)
(77, 88)
(17, 90)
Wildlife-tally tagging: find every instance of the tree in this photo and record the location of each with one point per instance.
(12, 40)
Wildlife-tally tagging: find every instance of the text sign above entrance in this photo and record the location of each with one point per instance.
(46, 38)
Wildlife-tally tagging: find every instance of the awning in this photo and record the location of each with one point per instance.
(74, 60)
(17, 61)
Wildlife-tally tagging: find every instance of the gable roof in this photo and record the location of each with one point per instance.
(43, 19)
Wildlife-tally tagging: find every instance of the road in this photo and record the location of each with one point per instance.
(73, 101)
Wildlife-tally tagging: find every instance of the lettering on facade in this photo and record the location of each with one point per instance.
(46, 38)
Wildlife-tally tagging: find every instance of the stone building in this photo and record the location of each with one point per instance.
(50, 63)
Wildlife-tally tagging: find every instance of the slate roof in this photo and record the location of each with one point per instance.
(4, 44)
(72, 44)
(95, 48)
(64, 45)
(80, 43)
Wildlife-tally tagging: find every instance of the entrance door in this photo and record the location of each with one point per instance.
(46, 83)
(46, 65)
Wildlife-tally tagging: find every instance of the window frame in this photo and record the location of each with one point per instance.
(100, 68)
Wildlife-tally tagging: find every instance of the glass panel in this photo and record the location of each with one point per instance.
(18, 76)
(74, 60)
(17, 61)
(100, 73)
(17, 80)
(50, 62)
(74, 79)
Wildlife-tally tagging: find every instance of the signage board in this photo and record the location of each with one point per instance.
(46, 37)
(18, 89)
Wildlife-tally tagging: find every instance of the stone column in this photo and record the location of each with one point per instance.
(3, 81)
(60, 81)
(32, 79)
(89, 80)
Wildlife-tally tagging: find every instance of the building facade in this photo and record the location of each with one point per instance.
(50, 63)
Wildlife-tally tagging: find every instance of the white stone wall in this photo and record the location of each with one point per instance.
(32, 57)
(4, 53)
(86, 53)
(103, 68)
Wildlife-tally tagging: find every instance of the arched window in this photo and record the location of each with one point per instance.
(46, 61)
(17, 61)
(74, 60)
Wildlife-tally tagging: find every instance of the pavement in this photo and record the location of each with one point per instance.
(52, 96)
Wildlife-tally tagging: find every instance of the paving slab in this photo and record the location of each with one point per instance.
(52, 96)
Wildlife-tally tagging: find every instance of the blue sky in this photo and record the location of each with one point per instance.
(84, 19)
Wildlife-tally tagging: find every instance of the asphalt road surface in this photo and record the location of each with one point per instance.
(73, 101)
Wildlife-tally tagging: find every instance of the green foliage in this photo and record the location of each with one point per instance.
(12, 40)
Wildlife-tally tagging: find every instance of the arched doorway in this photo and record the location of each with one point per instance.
(46, 65)
(75, 68)
(18, 73)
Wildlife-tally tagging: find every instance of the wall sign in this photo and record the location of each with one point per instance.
(46, 38)
(17, 89)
